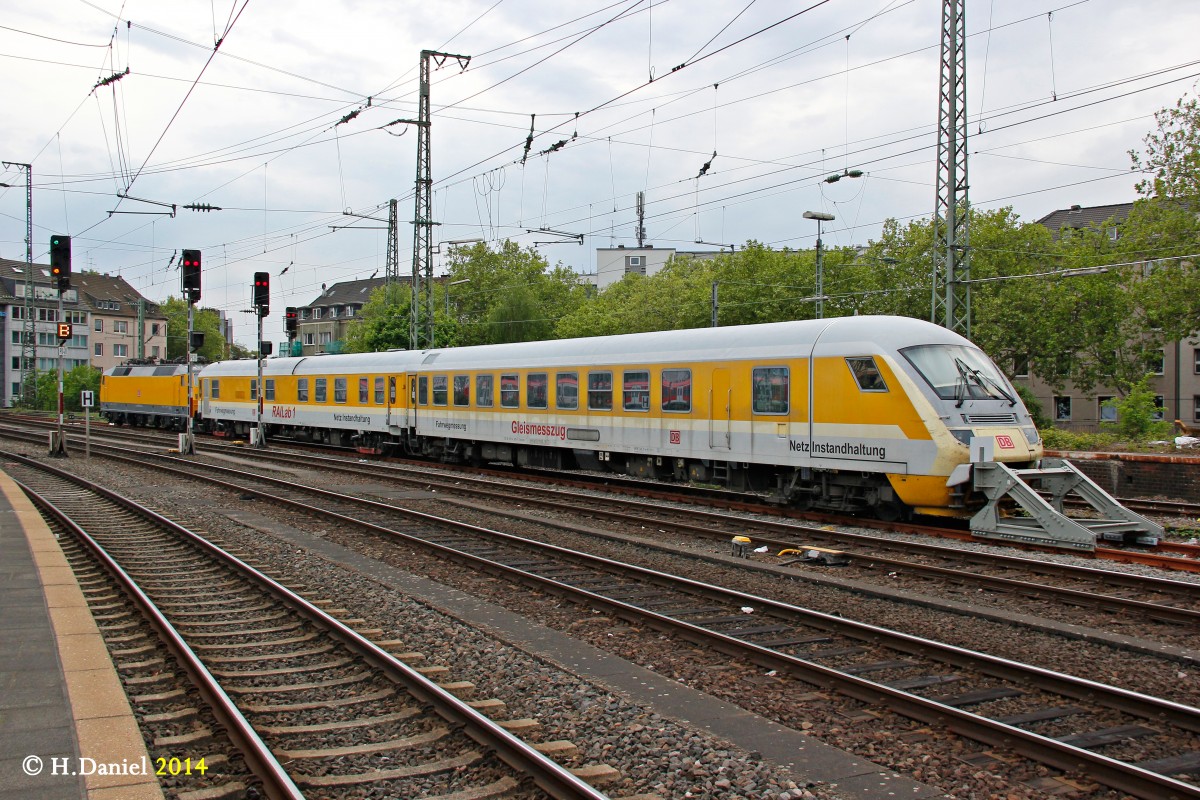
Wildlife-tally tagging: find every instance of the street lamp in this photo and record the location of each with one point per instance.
(819, 216)
(448, 285)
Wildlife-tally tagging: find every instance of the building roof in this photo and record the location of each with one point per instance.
(348, 292)
(1085, 217)
(91, 287)
(94, 287)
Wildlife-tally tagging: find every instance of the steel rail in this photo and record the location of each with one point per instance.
(1118, 775)
(551, 777)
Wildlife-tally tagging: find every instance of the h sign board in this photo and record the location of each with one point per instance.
(87, 398)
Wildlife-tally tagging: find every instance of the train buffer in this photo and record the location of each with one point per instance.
(1041, 519)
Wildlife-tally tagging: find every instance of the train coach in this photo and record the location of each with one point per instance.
(848, 414)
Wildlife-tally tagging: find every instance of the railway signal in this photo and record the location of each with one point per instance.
(60, 260)
(190, 271)
(262, 293)
(290, 320)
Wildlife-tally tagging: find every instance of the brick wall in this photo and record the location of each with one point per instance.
(1165, 477)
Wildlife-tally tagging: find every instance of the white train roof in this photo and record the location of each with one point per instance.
(865, 335)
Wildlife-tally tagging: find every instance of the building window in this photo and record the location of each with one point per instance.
(1062, 409)
(1160, 408)
(1196, 361)
(771, 389)
(1158, 362)
(18, 312)
(636, 391)
(1196, 408)
(121, 350)
(154, 351)
(677, 390)
(120, 326)
(155, 328)
(350, 311)
(326, 337)
(99, 324)
(99, 349)
(600, 391)
(1021, 367)
(339, 390)
(316, 313)
(308, 338)
(1106, 413)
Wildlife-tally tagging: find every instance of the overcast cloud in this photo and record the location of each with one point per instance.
(1059, 91)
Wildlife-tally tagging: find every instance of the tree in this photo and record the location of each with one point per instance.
(205, 320)
(75, 381)
(1172, 155)
(382, 323)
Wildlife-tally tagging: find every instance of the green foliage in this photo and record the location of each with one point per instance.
(383, 322)
(1136, 412)
(1034, 406)
(205, 320)
(1172, 156)
(75, 381)
(1058, 439)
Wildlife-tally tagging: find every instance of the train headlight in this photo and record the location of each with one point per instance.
(1031, 435)
(963, 435)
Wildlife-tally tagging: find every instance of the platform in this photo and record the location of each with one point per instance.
(61, 702)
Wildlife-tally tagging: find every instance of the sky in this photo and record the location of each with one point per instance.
(286, 116)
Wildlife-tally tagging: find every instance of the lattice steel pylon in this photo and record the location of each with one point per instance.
(28, 359)
(422, 266)
(951, 252)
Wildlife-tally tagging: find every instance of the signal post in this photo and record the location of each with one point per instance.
(262, 308)
(190, 270)
(60, 269)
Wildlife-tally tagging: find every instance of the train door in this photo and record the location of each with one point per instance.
(720, 407)
(390, 399)
(410, 413)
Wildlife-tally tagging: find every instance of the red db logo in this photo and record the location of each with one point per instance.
(1005, 442)
(675, 437)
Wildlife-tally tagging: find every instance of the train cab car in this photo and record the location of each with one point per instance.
(150, 395)
(846, 414)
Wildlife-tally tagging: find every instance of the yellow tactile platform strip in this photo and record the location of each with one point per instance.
(104, 723)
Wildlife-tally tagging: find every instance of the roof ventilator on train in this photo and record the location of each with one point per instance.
(1044, 521)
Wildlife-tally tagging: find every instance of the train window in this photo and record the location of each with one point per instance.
(537, 390)
(161, 371)
(254, 388)
(677, 390)
(339, 390)
(423, 390)
(269, 383)
(439, 390)
(600, 391)
(379, 391)
(510, 391)
(866, 372)
(214, 389)
(391, 391)
(770, 390)
(484, 396)
(462, 390)
(566, 390)
(364, 391)
(635, 394)
(302, 390)
(320, 391)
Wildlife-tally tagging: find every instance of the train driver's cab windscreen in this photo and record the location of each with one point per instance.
(957, 372)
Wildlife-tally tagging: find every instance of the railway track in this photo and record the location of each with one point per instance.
(1170, 609)
(311, 704)
(1130, 742)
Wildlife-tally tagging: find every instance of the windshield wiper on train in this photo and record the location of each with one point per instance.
(983, 381)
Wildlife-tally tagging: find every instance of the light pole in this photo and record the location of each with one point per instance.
(819, 216)
(448, 285)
